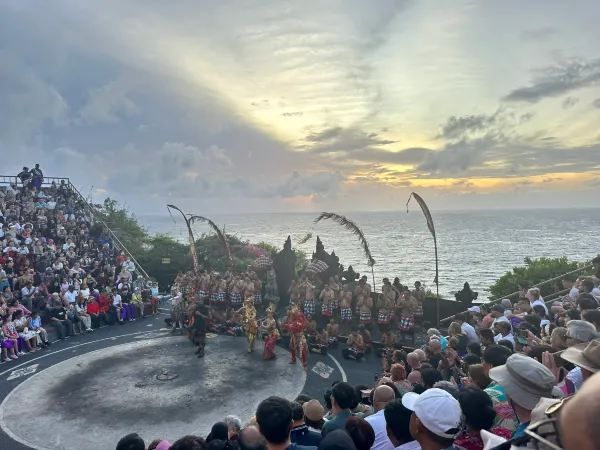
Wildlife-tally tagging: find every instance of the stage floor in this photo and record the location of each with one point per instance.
(153, 386)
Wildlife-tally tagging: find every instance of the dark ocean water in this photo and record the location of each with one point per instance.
(474, 246)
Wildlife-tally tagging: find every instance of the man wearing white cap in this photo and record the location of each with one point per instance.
(435, 420)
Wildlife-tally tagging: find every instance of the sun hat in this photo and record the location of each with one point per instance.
(313, 410)
(585, 355)
(437, 410)
(581, 330)
(525, 380)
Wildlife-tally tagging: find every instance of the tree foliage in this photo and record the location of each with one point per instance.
(534, 271)
(163, 257)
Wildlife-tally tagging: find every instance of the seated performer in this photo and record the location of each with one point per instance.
(333, 331)
(356, 347)
(320, 343)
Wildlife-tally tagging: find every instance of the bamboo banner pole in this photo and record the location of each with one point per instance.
(431, 227)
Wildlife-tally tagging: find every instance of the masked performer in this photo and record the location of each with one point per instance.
(249, 322)
(295, 325)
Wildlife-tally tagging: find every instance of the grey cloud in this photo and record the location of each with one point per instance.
(344, 140)
(108, 104)
(540, 33)
(324, 135)
(320, 184)
(292, 114)
(455, 158)
(558, 80)
(596, 103)
(457, 127)
(569, 102)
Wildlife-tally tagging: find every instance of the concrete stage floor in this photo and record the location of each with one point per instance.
(89, 391)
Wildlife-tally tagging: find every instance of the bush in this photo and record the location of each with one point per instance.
(535, 271)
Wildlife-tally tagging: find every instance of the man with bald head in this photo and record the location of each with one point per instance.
(249, 438)
(381, 397)
(580, 418)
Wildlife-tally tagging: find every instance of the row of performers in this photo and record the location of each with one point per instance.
(304, 336)
(346, 305)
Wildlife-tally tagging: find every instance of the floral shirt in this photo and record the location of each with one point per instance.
(505, 415)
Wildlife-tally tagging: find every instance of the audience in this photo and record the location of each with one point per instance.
(56, 263)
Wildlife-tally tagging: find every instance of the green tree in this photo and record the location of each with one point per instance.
(163, 258)
(535, 271)
(124, 225)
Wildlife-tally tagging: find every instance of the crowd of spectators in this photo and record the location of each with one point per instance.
(58, 270)
(510, 377)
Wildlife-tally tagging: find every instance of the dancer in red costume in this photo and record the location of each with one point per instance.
(295, 324)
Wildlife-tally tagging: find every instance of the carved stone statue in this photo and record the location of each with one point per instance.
(284, 264)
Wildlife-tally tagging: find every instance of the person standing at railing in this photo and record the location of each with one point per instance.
(37, 177)
(25, 176)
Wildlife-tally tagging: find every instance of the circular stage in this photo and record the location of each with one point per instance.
(154, 386)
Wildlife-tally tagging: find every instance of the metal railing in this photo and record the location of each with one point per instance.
(548, 298)
(9, 179)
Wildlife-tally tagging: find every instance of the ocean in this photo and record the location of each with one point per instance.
(476, 246)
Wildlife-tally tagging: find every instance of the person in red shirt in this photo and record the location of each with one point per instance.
(93, 309)
(104, 303)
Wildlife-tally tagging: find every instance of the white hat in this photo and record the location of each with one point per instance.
(437, 410)
(474, 309)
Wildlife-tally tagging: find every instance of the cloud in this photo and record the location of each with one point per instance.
(108, 104)
(344, 140)
(569, 102)
(537, 34)
(557, 80)
(457, 127)
(596, 103)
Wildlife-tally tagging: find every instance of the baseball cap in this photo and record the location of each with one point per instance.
(437, 410)
(474, 309)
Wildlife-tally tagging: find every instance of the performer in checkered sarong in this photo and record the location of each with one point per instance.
(364, 306)
(257, 299)
(327, 296)
(346, 307)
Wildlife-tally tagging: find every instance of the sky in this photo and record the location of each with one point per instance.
(288, 106)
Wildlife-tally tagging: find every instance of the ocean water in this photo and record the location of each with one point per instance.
(474, 246)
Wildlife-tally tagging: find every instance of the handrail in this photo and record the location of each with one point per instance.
(498, 300)
(11, 179)
(114, 236)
